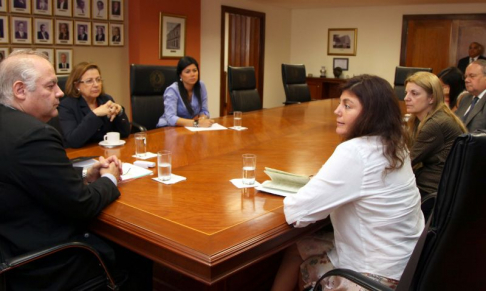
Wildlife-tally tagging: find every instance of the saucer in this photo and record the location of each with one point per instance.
(107, 144)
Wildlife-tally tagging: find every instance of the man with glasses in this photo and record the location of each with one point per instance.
(472, 109)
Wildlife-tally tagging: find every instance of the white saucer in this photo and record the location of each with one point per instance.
(107, 144)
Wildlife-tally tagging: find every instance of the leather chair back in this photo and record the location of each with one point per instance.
(147, 87)
(242, 88)
(401, 74)
(295, 85)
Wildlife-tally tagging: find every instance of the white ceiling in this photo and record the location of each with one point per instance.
(306, 4)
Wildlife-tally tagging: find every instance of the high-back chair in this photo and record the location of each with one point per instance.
(295, 85)
(401, 74)
(242, 89)
(449, 253)
(147, 87)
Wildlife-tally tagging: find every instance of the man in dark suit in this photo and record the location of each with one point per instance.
(20, 32)
(44, 200)
(42, 33)
(63, 64)
(62, 4)
(20, 4)
(475, 52)
(472, 108)
(100, 33)
(82, 33)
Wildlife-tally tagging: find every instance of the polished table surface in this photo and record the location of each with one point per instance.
(205, 227)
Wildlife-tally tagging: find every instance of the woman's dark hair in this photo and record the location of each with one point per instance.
(453, 77)
(380, 116)
(196, 91)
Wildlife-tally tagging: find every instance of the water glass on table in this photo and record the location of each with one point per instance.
(164, 163)
(249, 166)
(237, 119)
(140, 144)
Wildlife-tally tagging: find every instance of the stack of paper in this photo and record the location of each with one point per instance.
(282, 183)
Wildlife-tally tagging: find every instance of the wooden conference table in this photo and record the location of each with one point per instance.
(205, 228)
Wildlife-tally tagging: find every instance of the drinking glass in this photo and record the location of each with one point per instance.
(140, 144)
(237, 118)
(164, 163)
(249, 165)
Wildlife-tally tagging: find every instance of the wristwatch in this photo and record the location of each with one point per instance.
(85, 173)
(196, 123)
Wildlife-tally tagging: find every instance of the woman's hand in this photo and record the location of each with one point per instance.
(205, 122)
(110, 109)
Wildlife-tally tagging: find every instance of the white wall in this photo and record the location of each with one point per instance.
(277, 49)
(379, 35)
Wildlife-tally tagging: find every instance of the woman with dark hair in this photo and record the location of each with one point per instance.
(87, 113)
(452, 80)
(367, 187)
(432, 126)
(186, 101)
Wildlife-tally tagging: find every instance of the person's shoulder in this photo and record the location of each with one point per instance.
(69, 100)
(174, 87)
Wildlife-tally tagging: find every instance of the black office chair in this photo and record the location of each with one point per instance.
(401, 74)
(295, 85)
(61, 81)
(242, 89)
(54, 122)
(107, 281)
(147, 86)
(447, 255)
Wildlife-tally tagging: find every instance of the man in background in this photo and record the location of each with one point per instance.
(42, 33)
(476, 51)
(20, 32)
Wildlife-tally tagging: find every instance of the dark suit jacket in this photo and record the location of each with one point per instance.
(81, 126)
(43, 200)
(40, 36)
(17, 35)
(64, 37)
(464, 62)
(116, 38)
(62, 6)
(100, 37)
(60, 66)
(82, 36)
(477, 118)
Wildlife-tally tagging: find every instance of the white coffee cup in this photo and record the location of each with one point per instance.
(112, 137)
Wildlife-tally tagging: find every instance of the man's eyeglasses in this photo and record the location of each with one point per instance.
(90, 82)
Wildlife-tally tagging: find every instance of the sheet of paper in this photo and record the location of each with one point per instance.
(131, 172)
(215, 126)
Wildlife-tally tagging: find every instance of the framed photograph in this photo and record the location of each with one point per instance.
(4, 51)
(64, 32)
(21, 31)
(172, 36)
(3, 6)
(83, 35)
(343, 63)
(62, 7)
(3, 29)
(43, 7)
(20, 6)
(48, 52)
(64, 61)
(81, 8)
(116, 34)
(342, 41)
(116, 10)
(99, 9)
(43, 31)
(100, 33)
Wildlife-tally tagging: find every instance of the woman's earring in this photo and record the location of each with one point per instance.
(180, 79)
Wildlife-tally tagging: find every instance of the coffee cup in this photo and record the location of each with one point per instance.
(112, 137)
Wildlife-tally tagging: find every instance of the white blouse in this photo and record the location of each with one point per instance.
(377, 217)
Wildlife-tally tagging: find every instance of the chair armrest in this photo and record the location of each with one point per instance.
(355, 277)
(137, 127)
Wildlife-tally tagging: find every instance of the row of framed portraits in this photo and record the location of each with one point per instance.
(61, 59)
(26, 30)
(95, 9)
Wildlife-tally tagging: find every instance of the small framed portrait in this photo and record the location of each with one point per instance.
(81, 8)
(3, 53)
(21, 30)
(43, 31)
(62, 7)
(116, 34)
(342, 63)
(48, 52)
(172, 36)
(83, 33)
(64, 61)
(3, 29)
(43, 7)
(116, 9)
(3, 6)
(20, 6)
(99, 9)
(100, 33)
(64, 31)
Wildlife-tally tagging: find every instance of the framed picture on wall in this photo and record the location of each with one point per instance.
(82, 8)
(62, 7)
(172, 36)
(43, 31)
(343, 63)
(3, 29)
(4, 52)
(83, 35)
(100, 33)
(342, 41)
(43, 7)
(21, 31)
(64, 61)
(116, 9)
(99, 9)
(116, 34)
(48, 52)
(20, 6)
(3, 6)
(64, 32)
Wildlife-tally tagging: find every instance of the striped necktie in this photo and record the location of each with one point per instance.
(474, 101)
